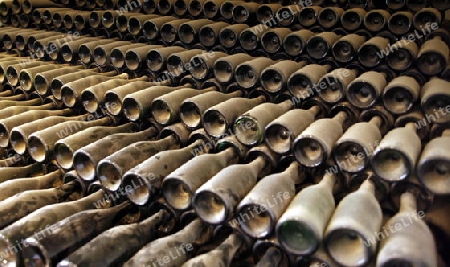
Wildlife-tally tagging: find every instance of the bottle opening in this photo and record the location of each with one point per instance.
(132, 109)
(248, 40)
(317, 47)
(64, 156)
(161, 112)
(190, 115)
(279, 138)
(431, 63)
(391, 165)
(228, 38)
(84, 166)
(150, 31)
(271, 42)
(139, 195)
(307, 17)
(155, 61)
(89, 101)
(18, 142)
(210, 207)
(333, 90)
(434, 175)
(68, 96)
(362, 94)
(257, 225)
(309, 151)
(300, 85)
(297, 237)
(347, 247)
(36, 148)
(246, 76)
(215, 123)
(398, 99)
(109, 175)
(247, 130)
(177, 194)
(272, 80)
(351, 157)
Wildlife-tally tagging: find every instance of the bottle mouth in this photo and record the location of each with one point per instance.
(293, 45)
(199, 69)
(374, 21)
(85, 54)
(175, 65)
(391, 165)
(187, 34)
(18, 142)
(399, 24)
(279, 138)
(397, 4)
(348, 247)
(132, 60)
(64, 156)
(117, 58)
(437, 102)
(343, 51)
(109, 175)
(12, 76)
(113, 103)
(328, 18)
(228, 38)
(351, 20)
(223, 71)
(40, 84)
(317, 47)
(79, 22)
(333, 90)
(431, 63)
(248, 40)
(210, 9)
(351, 157)
(134, 26)
(398, 99)
(423, 18)
(177, 193)
(162, 112)
(210, 207)
(434, 173)
(246, 76)
(226, 10)
(300, 85)
(307, 17)
(35, 254)
(37, 149)
(67, 96)
(297, 237)
(207, 36)
(132, 109)
(370, 55)
(164, 7)
(121, 23)
(108, 19)
(400, 59)
(89, 101)
(139, 195)
(215, 123)
(310, 151)
(190, 115)
(362, 94)
(264, 13)
(271, 42)
(255, 224)
(155, 61)
(272, 80)
(240, 14)
(195, 8)
(25, 80)
(247, 130)
(100, 56)
(84, 165)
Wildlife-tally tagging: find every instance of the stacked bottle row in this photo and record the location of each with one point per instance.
(285, 212)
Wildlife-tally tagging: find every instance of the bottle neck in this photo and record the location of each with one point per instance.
(408, 203)
(376, 120)
(341, 117)
(367, 186)
(87, 202)
(286, 105)
(293, 172)
(228, 153)
(259, 163)
(315, 110)
(328, 181)
(411, 126)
